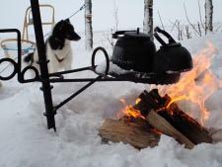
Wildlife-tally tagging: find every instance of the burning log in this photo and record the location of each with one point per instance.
(186, 125)
(169, 119)
(161, 124)
(138, 133)
(164, 116)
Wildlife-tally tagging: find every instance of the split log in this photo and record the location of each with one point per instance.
(186, 125)
(162, 125)
(185, 129)
(138, 133)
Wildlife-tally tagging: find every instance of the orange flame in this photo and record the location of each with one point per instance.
(129, 110)
(198, 84)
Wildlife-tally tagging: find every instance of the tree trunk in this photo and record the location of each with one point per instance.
(88, 25)
(208, 16)
(116, 15)
(148, 18)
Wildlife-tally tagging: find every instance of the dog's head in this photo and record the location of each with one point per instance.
(65, 30)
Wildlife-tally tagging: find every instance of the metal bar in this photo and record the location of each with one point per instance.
(9, 30)
(46, 87)
(71, 71)
(19, 49)
(77, 93)
(20, 77)
(57, 80)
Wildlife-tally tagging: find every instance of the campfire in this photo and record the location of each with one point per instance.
(159, 111)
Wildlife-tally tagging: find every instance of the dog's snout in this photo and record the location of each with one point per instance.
(76, 37)
(73, 36)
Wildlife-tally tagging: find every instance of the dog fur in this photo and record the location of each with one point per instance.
(58, 48)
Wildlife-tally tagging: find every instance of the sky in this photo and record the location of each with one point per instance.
(130, 13)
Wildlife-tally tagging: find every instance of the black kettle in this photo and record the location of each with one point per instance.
(133, 51)
(172, 57)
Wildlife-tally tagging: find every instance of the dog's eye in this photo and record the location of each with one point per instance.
(70, 29)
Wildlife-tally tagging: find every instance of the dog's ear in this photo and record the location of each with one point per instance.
(67, 21)
(58, 28)
(60, 23)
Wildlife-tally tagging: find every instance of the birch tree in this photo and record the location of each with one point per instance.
(88, 25)
(116, 14)
(208, 15)
(148, 18)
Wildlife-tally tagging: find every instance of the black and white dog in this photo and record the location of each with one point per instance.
(58, 47)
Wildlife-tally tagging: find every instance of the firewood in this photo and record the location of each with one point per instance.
(137, 133)
(158, 117)
(186, 124)
(191, 130)
(162, 125)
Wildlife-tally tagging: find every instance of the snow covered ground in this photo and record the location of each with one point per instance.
(26, 142)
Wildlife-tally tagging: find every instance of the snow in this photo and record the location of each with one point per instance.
(25, 140)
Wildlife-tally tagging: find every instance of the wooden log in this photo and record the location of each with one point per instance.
(137, 133)
(186, 124)
(162, 125)
(159, 117)
(192, 132)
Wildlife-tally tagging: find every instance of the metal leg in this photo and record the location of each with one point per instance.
(77, 93)
(44, 74)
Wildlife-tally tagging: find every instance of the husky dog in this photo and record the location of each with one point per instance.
(58, 47)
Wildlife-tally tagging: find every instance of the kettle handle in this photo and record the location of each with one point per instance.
(166, 34)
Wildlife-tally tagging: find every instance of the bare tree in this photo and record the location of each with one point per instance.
(188, 33)
(208, 15)
(200, 15)
(160, 19)
(116, 15)
(188, 20)
(179, 30)
(88, 25)
(199, 28)
(148, 17)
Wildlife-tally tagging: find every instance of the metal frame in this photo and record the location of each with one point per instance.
(44, 77)
(47, 78)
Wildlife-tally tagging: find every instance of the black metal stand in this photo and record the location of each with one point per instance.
(45, 78)
(46, 87)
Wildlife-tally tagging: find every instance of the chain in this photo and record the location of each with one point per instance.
(81, 8)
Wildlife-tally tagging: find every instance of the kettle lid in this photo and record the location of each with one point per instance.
(131, 34)
(137, 35)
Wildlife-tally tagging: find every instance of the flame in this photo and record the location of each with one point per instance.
(175, 100)
(138, 100)
(129, 110)
(197, 85)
